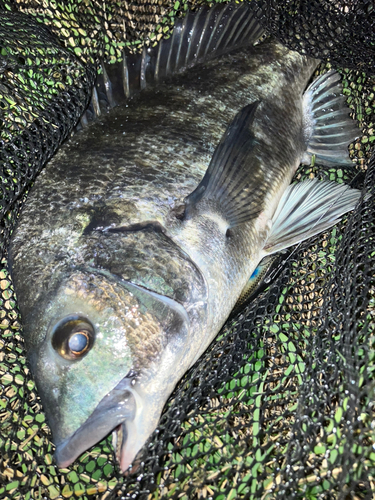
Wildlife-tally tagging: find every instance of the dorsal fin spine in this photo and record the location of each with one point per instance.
(214, 30)
(196, 19)
(196, 38)
(232, 35)
(108, 87)
(168, 70)
(218, 43)
(239, 28)
(144, 61)
(95, 102)
(157, 65)
(125, 76)
(180, 42)
(203, 34)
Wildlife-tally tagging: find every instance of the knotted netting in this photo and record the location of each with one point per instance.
(281, 404)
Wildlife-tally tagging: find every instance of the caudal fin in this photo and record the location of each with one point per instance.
(328, 127)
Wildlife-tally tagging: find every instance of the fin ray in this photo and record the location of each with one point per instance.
(306, 209)
(227, 181)
(197, 38)
(328, 127)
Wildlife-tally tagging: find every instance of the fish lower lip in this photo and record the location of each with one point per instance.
(124, 443)
(118, 438)
(114, 409)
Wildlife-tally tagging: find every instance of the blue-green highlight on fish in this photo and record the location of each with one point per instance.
(141, 235)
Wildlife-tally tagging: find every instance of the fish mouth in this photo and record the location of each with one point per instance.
(117, 410)
(124, 445)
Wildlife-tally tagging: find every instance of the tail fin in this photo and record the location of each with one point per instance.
(328, 127)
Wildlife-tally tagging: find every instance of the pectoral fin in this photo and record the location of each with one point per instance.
(306, 209)
(228, 184)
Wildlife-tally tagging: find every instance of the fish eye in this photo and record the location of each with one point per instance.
(73, 337)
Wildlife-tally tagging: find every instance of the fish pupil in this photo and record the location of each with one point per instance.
(78, 342)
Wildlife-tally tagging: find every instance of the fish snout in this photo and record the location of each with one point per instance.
(116, 410)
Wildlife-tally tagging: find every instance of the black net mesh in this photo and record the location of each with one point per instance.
(281, 404)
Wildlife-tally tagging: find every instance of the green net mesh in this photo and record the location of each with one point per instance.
(281, 404)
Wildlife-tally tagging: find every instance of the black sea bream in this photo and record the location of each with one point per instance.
(139, 237)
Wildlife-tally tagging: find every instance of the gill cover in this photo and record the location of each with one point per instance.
(98, 329)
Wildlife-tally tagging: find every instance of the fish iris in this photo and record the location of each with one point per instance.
(73, 337)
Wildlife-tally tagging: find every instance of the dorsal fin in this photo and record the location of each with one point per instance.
(196, 38)
(201, 36)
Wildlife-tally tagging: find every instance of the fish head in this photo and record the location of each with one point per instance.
(103, 355)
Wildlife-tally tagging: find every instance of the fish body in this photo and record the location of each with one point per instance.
(139, 237)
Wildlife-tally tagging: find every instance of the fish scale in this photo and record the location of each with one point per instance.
(144, 230)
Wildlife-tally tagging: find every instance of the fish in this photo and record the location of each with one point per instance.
(146, 229)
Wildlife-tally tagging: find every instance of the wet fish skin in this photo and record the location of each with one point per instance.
(107, 236)
(103, 175)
